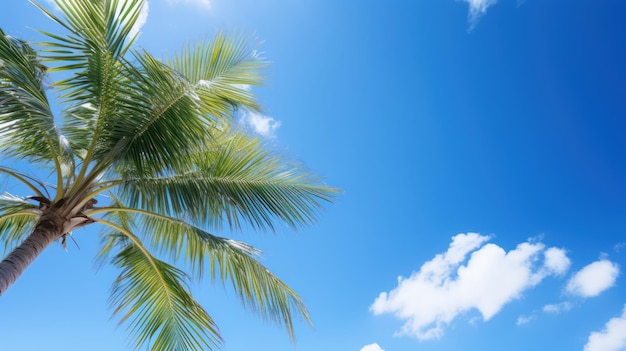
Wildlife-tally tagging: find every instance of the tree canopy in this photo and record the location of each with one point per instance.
(149, 149)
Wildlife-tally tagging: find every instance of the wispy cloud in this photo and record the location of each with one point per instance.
(445, 288)
(261, 124)
(477, 8)
(557, 307)
(522, 320)
(593, 279)
(372, 347)
(554, 309)
(202, 4)
(611, 338)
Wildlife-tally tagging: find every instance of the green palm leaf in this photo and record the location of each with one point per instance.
(27, 128)
(94, 26)
(222, 70)
(239, 179)
(93, 55)
(17, 219)
(203, 83)
(162, 101)
(228, 260)
(153, 297)
(32, 183)
(160, 137)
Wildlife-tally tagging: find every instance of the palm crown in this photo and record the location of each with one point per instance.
(157, 140)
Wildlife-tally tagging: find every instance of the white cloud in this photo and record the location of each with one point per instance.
(557, 308)
(263, 125)
(556, 261)
(522, 320)
(477, 8)
(141, 20)
(444, 288)
(612, 338)
(203, 4)
(371, 347)
(593, 279)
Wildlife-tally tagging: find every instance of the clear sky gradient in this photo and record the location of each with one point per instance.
(480, 146)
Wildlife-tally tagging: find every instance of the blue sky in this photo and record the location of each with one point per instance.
(481, 152)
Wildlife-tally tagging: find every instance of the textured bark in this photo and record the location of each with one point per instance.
(47, 231)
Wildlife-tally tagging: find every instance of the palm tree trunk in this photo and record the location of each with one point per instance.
(12, 266)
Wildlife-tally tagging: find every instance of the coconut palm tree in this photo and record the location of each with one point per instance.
(148, 150)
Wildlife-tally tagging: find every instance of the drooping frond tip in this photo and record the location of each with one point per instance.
(232, 262)
(153, 297)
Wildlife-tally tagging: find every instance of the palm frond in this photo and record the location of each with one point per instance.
(153, 298)
(229, 261)
(234, 262)
(111, 238)
(222, 70)
(238, 180)
(10, 202)
(93, 26)
(17, 220)
(92, 53)
(27, 127)
(162, 102)
(159, 136)
(204, 82)
(93, 103)
(32, 183)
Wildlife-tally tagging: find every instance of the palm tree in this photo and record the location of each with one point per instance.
(155, 140)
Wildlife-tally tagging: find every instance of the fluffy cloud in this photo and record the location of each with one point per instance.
(371, 347)
(445, 288)
(556, 260)
(612, 338)
(263, 125)
(593, 279)
(203, 4)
